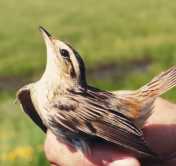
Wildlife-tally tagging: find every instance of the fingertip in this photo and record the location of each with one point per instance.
(125, 162)
(108, 155)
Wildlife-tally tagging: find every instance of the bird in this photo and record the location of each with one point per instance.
(79, 114)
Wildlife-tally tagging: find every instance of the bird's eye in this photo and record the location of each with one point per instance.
(64, 53)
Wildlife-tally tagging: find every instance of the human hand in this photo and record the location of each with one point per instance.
(60, 154)
(159, 132)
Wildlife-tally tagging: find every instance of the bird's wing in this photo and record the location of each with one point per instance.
(87, 112)
(23, 95)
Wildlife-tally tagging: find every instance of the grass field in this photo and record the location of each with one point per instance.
(124, 44)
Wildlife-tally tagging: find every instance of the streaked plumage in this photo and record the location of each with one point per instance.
(77, 113)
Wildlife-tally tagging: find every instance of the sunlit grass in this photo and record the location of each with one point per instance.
(103, 32)
(21, 141)
(110, 31)
(26, 154)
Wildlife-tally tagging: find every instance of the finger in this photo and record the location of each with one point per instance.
(160, 129)
(61, 154)
(110, 155)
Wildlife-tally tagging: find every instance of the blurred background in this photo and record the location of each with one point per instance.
(124, 44)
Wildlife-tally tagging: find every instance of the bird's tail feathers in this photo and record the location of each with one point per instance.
(161, 83)
(141, 102)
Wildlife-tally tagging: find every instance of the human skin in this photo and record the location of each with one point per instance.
(159, 132)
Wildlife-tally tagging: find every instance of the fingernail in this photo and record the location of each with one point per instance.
(124, 162)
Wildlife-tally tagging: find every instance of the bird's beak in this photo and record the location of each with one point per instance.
(47, 36)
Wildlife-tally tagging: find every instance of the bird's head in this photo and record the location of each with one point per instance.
(62, 58)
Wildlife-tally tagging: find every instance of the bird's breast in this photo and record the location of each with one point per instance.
(39, 96)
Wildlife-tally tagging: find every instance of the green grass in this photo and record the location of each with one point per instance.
(105, 33)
